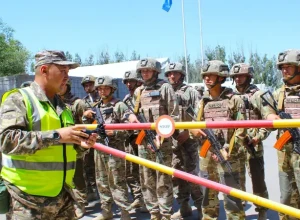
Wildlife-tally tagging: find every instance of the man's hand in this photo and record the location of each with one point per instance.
(90, 141)
(75, 135)
(254, 141)
(133, 119)
(273, 117)
(89, 114)
(197, 133)
(183, 136)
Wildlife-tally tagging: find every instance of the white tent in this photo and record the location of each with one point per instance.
(115, 70)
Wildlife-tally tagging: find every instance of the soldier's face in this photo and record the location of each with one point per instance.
(57, 76)
(174, 77)
(131, 84)
(240, 79)
(210, 80)
(104, 91)
(147, 74)
(89, 87)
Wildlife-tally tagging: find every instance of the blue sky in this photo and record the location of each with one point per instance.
(89, 26)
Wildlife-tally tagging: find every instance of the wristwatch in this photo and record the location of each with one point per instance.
(56, 136)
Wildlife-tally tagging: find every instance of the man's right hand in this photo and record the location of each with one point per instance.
(89, 114)
(197, 133)
(133, 119)
(73, 134)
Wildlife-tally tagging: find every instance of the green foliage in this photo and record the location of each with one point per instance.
(218, 53)
(119, 57)
(13, 55)
(193, 69)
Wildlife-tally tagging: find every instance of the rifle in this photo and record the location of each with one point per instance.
(289, 133)
(250, 147)
(211, 141)
(148, 134)
(100, 130)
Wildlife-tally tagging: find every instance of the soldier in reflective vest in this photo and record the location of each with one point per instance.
(221, 104)
(288, 99)
(131, 81)
(255, 110)
(88, 83)
(37, 136)
(77, 107)
(110, 175)
(155, 98)
(185, 149)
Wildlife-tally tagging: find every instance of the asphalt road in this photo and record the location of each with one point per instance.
(272, 183)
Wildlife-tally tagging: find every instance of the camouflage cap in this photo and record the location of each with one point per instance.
(55, 57)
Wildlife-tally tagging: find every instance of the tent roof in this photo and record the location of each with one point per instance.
(115, 70)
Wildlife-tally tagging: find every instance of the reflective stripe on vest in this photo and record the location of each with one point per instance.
(46, 171)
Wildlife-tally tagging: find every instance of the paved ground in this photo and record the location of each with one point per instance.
(272, 184)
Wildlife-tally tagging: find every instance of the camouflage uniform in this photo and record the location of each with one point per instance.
(156, 98)
(255, 110)
(14, 123)
(88, 161)
(227, 107)
(77, 106)
(185, 155)
(132, 169)
(288, 161)
(110, 176)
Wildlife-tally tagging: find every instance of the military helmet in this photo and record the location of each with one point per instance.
(216, 67)
(288, 57)
(148, 63)
(105, 81)
(132, 74)
(88, 78)
(241, 69)
(25, 84)
(175, 67)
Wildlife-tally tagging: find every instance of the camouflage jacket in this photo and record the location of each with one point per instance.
(87, 100)
(15, 137)
(236, 111)
(116, 110)
(255, 109)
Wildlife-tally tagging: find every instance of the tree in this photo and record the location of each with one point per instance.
(193, 74)
(69, 56)
(13, 55)
(89, 61)
(236, 57)
(77, 58)
(135, 56)
(119, 57)
(103, 58)
(218, 53)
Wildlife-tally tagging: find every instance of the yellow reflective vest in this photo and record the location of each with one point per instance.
(45, 172)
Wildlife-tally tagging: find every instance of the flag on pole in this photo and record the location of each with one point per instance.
(167, 5)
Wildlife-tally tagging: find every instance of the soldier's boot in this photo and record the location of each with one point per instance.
(106, 213)
(139, 204)
(155, 216)
(184, 211)
(125, 215)
(262, 214)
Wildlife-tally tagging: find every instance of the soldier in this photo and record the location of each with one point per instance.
(88, 83)
(77, 106)
(25, 84)
(288, 101)
(185, 149)
(132, 169)
(220, 103)
(110, 176)
(200, 90)
(255, 110)
(37, 143)
(155, 98)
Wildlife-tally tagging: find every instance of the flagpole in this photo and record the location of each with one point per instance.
(201, 33)
(184, 42)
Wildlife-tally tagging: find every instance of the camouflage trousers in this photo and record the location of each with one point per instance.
(289, 178)
(80, 190)
(132, 170)
(27, 207)
(111, 180)
(186, 158)
(157, 187)
(256, 171)
(89, 171)
(219, 173)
